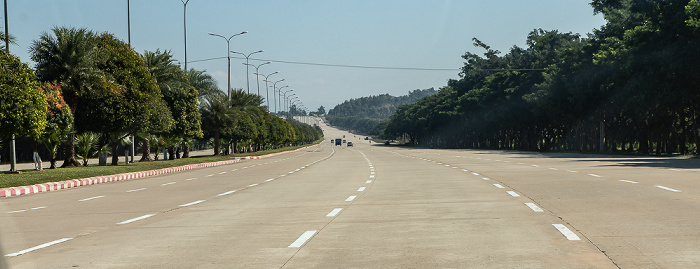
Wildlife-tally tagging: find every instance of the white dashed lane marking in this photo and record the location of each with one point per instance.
(193, 203)
(512, 193)
(534, 207)
(334, 212)
(361, 189)
(594, 175)
(499, 186)
(136, 219)
(302, 239)
(667, 188)
(629, 181)
(136, 190)
(38, 247)
(169, 183)
(351, 198)
(566, 232)
(368, 181)
(91, 198)
(226, 193)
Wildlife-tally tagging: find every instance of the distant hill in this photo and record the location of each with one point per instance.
(369, 115)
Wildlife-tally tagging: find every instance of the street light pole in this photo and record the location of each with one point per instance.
(274, 88)
(247, 76)
(256, 73)
(184, 20)
(228, 47)
(13, 158)
(267, 90)
(285, 96)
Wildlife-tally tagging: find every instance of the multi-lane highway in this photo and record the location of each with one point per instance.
(371, 206)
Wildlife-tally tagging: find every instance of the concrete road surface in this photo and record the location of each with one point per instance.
(371, 206)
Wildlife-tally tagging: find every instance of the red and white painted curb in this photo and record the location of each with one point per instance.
(53, 186)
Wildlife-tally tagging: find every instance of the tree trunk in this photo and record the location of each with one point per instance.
(171, 153)
(186, 152)
(146, 157)
(115, 154)
(69, 151)
(217, 147)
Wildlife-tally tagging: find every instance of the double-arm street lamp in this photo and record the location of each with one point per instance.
(256, 73)
(267, 91)
(284, 100)
(228, 48)
(247, 75)
(276, 96)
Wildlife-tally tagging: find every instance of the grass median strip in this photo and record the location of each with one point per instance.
(31, 177)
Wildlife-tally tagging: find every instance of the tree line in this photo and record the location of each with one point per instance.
(369, 115)
(91, 92)
(631, 86)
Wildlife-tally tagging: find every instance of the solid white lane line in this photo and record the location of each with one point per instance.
(136, 219)
(566, 232)
(534, 207)
(629, 181)
(136, 190)
(169, 183)
(193, 203)
(667, 188)
(226, 193)
(351, 198)
(512, 193)
(594, 175)
(91, 198)
(368, 181)
(38, 247)
(361, 189)
(499, 186)
(302, 239)
(334, 212)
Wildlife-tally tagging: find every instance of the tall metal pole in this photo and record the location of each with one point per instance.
(13, 158)
(247, 75)
(128, 29)
(184, 20)
(257, 78)
(274, 88)
(267, 90)
(228, 55)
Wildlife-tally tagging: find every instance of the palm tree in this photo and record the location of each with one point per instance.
(68, 56)
(203, 82)
(87, 145)
(247, 105)
(217, 117)
(4, 37)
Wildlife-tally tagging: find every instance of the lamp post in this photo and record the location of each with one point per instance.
(256, 73)
(284, 95)
(228, 47)
(274, 88)
(267, 91)
(247, 78)
(279, 97)
(13, 158)
(184, 21)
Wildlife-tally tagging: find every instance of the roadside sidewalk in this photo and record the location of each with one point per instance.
(53, 186)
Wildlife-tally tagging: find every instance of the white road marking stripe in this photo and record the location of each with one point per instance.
(169, 183)
(447, 165)
(91, 198)
(667, 188)
(465, 170)
(476, 174)
(193, 203)
(269, 180)
(351, 198)
(628, 181)
(41, 207)
(38, 247)
(234, 170)
(209, 175)
(534, 207)
(594, 175)
(189, 179)
(136, 219)
(534, 165)
(136, 190)
(674, 169)
(372, 173)
(297, 170)
(302, 239)
(226, 193)
(566, 232)
(224, 172)
(16, 211)
(499, 186)
(361, 189)
(485, 178)
(252, 185)
(292, 172)
(553, 169)
(334, 212)
(372, 176)
(571, 171)
(512, 193)
(368, 181)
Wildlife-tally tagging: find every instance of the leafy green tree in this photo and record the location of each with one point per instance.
(204, 84)
(22, 104)
(217, 117)
(87, 144)
(68, 56)
(59, 121)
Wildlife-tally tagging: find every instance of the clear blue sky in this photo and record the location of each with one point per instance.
(383, 33)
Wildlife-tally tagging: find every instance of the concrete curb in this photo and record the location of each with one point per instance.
(53, 186)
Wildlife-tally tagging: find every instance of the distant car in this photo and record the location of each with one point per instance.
(337, 141)
(344, 141)
(386, 142)
(349, 144)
